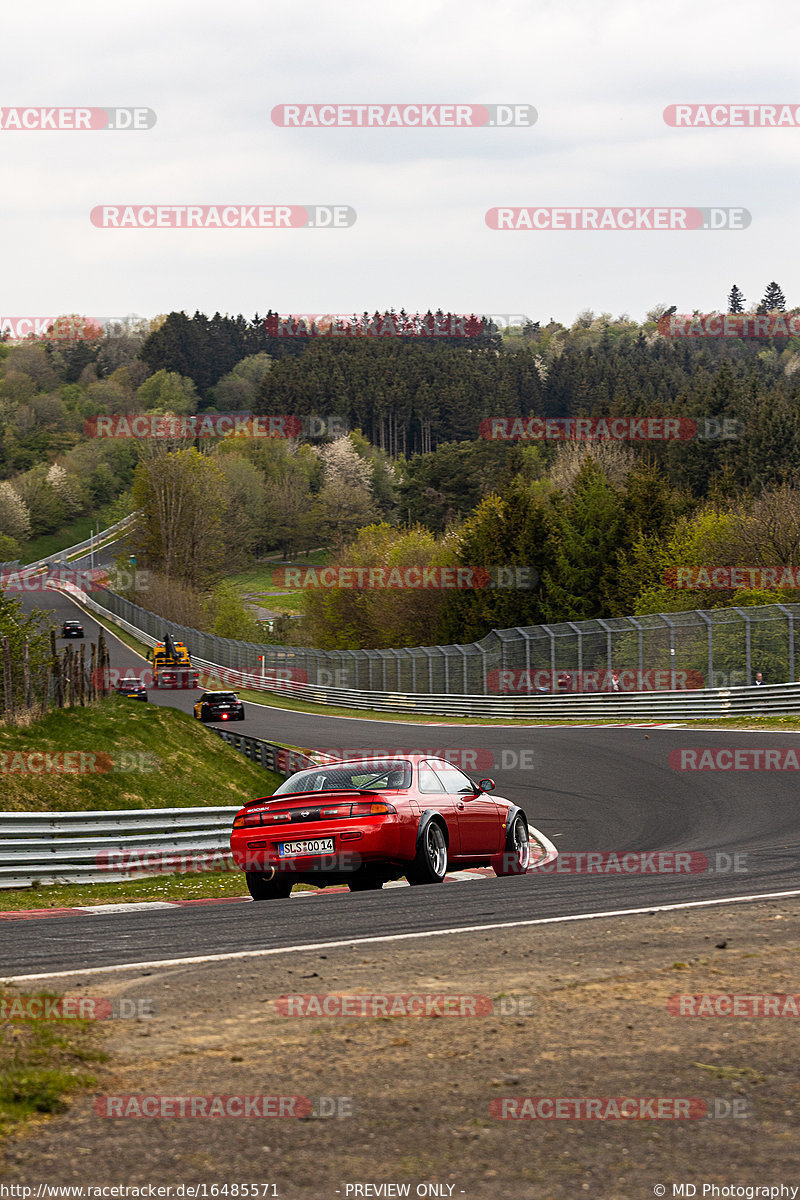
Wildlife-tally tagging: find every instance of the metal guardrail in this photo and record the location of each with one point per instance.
(111, 845)
(274, 758)
(777, 700)
(97, 541)
(90, 847)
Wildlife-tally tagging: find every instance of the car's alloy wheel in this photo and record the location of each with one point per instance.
(262, 888)
(517, 855)
(430, 864)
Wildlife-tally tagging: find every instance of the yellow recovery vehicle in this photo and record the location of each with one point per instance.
(172, 666)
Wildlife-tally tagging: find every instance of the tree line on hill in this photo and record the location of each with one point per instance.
(601, 523)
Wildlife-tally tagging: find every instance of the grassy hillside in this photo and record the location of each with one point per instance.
(134, 756)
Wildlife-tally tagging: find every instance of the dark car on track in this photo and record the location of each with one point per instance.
(219, 706)
(366, 821)
(72, 629)
(133, 688)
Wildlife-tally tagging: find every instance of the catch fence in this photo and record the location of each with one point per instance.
(683, 651)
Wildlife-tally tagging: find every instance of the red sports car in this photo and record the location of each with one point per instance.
(370, 820)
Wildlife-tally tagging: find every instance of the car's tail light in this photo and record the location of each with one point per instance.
(375, 808)
(223, 716)
(294, 814)
(246, 818)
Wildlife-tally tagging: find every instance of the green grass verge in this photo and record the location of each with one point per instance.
(134, 755)
(257, 583)
(746, 722)
(42, 1062)
(202, 886)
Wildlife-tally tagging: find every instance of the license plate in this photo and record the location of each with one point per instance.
(315, 846)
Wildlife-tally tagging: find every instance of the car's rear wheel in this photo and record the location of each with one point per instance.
(517, 855)
(261, 887)
(430, 863)
(365, 885)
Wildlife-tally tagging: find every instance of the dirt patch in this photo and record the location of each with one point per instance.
(579, 1010)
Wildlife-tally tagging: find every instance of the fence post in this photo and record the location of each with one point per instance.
(464, 683)
(26, 675)
(579, 636)
(638, 629)
(8, 695)
(609, 657)
(552, 637)
(747, 656)
(671, 626)
(790, 617)
(710, 637)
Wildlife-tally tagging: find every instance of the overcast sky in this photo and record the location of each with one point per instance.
(598, 74)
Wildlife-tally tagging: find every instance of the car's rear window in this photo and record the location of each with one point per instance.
(221, 698)
(373, 776)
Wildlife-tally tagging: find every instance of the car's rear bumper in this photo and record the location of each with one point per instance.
(356, 845)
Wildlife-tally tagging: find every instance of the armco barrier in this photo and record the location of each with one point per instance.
(93, 847)
(96, 542)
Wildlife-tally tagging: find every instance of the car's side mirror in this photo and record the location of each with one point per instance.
(486, 785)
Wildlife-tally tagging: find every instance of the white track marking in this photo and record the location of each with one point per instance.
(305, 947)
(123, 907)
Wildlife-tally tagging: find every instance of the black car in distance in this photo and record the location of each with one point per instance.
(219, 706)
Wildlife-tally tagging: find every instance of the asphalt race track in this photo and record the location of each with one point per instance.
(588, 789)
